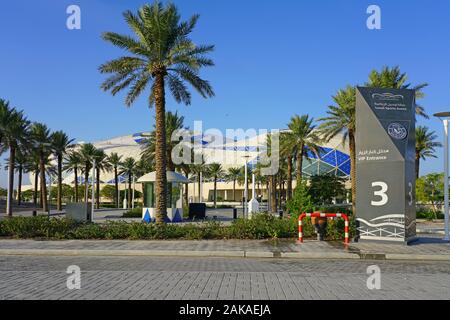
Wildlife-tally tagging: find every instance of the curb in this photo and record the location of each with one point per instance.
(431, 231)
(118, 253)
(319, 255)
(417, 257)
(260, 254)
(226, 254)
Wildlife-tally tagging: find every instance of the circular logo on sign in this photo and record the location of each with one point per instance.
(397, 131)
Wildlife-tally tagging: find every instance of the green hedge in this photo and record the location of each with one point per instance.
(133, 213)
(260, 227)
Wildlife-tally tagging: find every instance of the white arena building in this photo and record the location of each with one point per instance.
(228, 152)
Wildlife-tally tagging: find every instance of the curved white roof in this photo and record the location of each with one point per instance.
(171, 177)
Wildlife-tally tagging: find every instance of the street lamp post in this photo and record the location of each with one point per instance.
(49, 195)
(134, 187)
(245, 186)
(93, 190)
(200, 191)
(444, 117)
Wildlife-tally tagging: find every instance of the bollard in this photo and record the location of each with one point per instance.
(280, 214)
(34, 213)
(234, 213)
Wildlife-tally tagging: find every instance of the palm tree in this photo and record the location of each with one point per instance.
(101, 164)
(21, 165)
(13, 131)
(60, 144)
(198, 170)
(341, 119)
(128, 167)
(301, 138)
(287, 152)
(42, 141)
(215, 171)
(234, 174)
(173, 123)
(32, 165)
(272, 186)
(73, 162)
(425, 145)
(114, 160)
(87, 154)
(241, 178)
(395, 79)
(160, 53)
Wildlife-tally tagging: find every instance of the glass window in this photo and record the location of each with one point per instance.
(149, 195)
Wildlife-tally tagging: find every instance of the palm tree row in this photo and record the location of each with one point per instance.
(82, 160)
(34, 148)
(31, 148)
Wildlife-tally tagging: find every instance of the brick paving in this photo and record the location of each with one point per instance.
(218, 279)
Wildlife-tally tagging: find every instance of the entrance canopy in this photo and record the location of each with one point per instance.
(171, 177)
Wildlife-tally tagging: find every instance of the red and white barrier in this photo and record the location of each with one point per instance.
(323, 215)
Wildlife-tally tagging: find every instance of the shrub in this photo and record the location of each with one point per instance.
(262, 226)
(36, 227)
(133, 213)
(301, 200)
(428, 214)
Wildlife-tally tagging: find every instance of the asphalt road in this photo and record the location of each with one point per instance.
(38, 277)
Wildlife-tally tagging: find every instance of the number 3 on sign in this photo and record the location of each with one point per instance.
(380, 193)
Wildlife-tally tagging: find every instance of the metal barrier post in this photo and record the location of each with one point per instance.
(318, 214)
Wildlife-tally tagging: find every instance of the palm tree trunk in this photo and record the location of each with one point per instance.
(198, 180)
(289, 178)
(186, 195)
(116, 183)
(36, 188)
(215, 192)
(19, 186)
(12, 159)
(76, 184)
(58, 201)
(43, 184)
(186, 189)
(417, 165)
(160, 149)
(234, 190)
(299, 165)
(129, 206)
(351, 137)
(170, 164)
(273, 194)
(97, 192)
(86, 184)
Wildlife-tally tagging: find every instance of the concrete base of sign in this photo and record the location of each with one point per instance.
(384, 240)
(79, 211)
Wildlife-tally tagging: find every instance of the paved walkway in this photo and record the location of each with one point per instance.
(427, 248)
(155, 278)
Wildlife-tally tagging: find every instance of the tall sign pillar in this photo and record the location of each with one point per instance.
(385, 166)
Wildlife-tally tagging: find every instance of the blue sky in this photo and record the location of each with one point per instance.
(273, 59)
